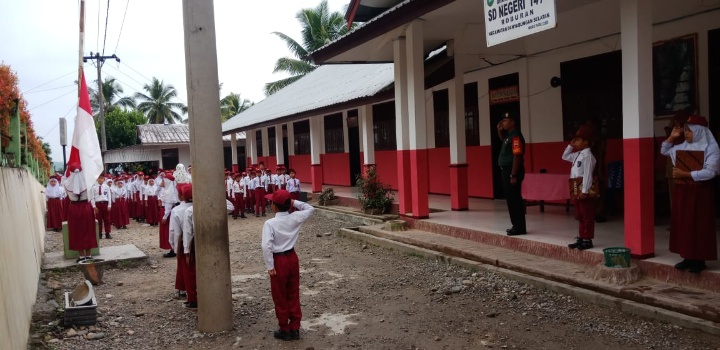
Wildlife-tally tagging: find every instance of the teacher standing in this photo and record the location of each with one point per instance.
(512, 170)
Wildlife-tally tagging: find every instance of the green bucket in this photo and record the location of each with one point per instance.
(617, 257)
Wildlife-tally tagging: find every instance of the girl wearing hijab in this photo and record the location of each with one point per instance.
(54, 194)
(121, 217)
(181, 175)
(692, 225)
(81, 218)
(169, 199)
(151, 203)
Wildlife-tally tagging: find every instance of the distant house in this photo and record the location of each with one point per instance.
(164, 145)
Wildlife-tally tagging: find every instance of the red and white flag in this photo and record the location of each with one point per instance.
(85, 145)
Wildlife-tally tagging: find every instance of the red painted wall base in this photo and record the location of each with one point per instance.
(317, 177)
(404, 182)
(459, 187)
(419, 183)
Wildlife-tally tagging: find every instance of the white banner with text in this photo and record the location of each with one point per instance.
(507, 20)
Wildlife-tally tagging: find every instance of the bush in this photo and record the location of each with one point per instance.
(326, 195)
(373, 193)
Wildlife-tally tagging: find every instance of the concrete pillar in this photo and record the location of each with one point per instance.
(417, 121)
(265, 143)
(638, 146)
(401, 127)
(346, 142)
(315, 151)
(279, 151)
(251, 146)
(291, 139)
(365, 114)
(458, 149)
(215, 311)
(233, 152)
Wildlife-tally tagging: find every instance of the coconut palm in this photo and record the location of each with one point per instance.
(320, 27)
(111, 96)
(232, 105)
(157, 105)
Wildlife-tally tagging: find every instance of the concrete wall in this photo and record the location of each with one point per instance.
(22, 236)
(184, 155)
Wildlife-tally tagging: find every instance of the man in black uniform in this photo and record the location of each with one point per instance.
(512, 167)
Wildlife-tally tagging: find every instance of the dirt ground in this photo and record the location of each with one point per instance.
(353, 296)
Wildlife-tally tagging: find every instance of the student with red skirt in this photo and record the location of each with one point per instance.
(81, 219)
(121, 217)
(261, 184)
(151, 203)
(692, 225)
(54, 194)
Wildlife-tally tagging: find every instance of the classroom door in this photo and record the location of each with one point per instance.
(353, 146)
(504, 97)
(714, 80)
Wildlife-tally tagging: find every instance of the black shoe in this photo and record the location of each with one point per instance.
(577, 243)
(516, 232)
(82, 258)
(100, 235)
(697, 266)
(683, 265)
(124, 227)
(234, 217)
(107, 236)
(243, 217)
(510, 229)
(585, 244)
(180, 295)
(295, 335)
(191, 305)
(170, 254)
(282, 335)
(263, 214)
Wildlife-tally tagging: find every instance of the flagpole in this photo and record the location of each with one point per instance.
(82, 43)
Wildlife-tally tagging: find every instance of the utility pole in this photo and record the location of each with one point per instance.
(100, 60)
(212, 247)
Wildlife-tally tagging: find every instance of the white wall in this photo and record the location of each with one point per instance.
(184, 155)
(22, 236)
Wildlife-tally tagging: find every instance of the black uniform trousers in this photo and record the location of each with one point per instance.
(513, 196)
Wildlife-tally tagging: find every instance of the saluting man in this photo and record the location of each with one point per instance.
(512, 168)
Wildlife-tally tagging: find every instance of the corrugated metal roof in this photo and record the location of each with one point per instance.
(158, 134)
(325, 86)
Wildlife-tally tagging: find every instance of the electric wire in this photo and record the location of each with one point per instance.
(42, 104)
(122, 25)
(50, 89)
(107, 16)
(43, 84)
(97, 37)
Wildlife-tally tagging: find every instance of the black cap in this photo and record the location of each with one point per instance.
(507, 115)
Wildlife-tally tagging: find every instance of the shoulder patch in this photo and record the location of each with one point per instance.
(517, 147)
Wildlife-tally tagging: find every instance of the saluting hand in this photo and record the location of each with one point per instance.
(676, 132)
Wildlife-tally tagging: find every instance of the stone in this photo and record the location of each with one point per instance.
(53, 304)
(364, 246)
(131, 332)
(119, 284)
(92, 336)
(318, 235)
(493, 315)
(71, 333)
(326, 234)
(139, 313)
(108, 296)
(437, 338)
(54, 340)
(82, 332)
(467, 282)
(395, 225)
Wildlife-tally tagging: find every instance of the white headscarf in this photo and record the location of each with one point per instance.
(703, 140)
(53, 191)
(169, 195)
(181, 175)
(75, 183)
(120, 191)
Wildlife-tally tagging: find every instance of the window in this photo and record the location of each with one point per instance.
(271, 140)
(384, 126)
(441, 106)
(334, 138)
(258, 143)
(302, 137)
(472, 111)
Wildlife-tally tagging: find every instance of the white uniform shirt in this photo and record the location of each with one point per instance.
(280, 233)
(188, 229)
(251, 183)
(148, 190)
(261, 182)
(100, 193)
(228, 186)
(293, 185)
(583, 165)
(177, 215)
(238, 188)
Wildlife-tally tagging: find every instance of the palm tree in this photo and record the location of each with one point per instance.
(232, 105)
(111, 92)
(320, 27)
(157, 105)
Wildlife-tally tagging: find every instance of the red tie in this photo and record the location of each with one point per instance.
(100, 189)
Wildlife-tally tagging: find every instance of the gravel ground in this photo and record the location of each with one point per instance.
(353, 296)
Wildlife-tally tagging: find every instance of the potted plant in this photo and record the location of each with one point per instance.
(375, 197)
(327, 197)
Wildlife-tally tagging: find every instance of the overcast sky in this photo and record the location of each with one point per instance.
(40, 43)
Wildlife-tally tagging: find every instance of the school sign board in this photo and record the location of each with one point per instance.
(507, 20)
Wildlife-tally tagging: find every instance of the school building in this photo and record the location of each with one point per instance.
(416, 91)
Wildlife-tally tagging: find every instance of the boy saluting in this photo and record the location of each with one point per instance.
(279, 236)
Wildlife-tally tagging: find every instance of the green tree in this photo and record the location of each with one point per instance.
(111, 96)
(47, 149)
(232, 105)
(121, 127)
(320, 27)
(157, 105)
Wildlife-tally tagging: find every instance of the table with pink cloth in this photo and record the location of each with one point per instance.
(546, 187)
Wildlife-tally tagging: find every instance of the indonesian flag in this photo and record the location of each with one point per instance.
(85, 145)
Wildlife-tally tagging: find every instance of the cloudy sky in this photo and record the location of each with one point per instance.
(40, 43)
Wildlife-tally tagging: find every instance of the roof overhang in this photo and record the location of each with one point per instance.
(365, 10)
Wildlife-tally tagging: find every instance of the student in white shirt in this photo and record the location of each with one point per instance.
(175, 222)
(260, 183)
(279, 236)
(238, 197)
(100, 199)
(583, 166)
